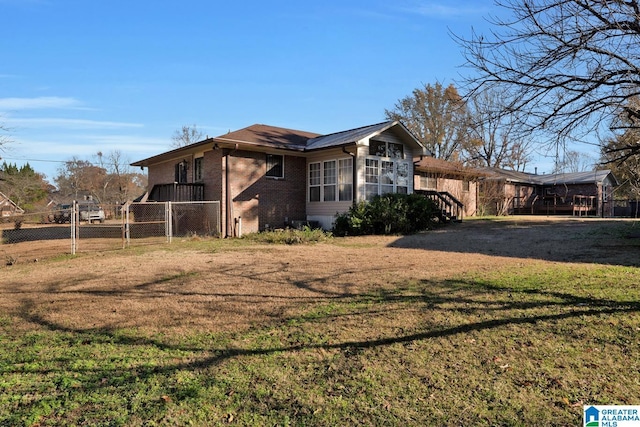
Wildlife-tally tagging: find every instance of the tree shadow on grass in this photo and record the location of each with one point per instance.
(483, 307)
(433, 297)
(565, 240)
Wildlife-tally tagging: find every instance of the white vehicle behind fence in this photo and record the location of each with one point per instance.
(90, 212)
(87, 211)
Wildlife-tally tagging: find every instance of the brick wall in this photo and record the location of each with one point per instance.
(164, 173)
(262, 201)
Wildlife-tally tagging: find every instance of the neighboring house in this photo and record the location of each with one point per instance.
(8, 207)
(269, 177)
(453, 183)
(506, 192)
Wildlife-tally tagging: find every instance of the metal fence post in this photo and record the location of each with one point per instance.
(169, 219)
(74, 231)
(125, 225)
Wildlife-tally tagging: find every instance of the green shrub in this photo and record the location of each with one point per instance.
(387, 214)
(291, 236)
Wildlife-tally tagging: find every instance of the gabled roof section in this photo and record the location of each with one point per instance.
(6, 201)
(352, 136)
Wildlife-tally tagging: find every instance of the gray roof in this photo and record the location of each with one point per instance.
(589, 177)
(354, 135)
(346, 137)
(265, 136)
(576, 177)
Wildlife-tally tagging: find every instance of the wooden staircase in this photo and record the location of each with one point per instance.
(450, 209)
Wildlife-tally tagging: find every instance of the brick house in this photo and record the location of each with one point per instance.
(270, 177)
(506, 192)
(451, 182)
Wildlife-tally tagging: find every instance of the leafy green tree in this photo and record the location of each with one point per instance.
(24, 186)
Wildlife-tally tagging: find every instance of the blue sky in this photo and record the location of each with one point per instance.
(78, 76)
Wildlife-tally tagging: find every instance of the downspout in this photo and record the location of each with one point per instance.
(354, 173)
(229, 199)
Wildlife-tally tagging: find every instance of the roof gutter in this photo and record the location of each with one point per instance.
(354, 173)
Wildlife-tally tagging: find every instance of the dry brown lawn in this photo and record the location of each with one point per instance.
(215, 287)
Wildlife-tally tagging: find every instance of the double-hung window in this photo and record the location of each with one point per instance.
(314, 182)
(371, 178)
(330, 181)
(345, 180)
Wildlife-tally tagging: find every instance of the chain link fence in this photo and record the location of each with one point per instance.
(85, 227)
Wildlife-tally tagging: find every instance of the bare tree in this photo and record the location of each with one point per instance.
(569, 67)
(493, 141)
(4, 136)
(574, 161)
(437, 116)
(109, 179)
(78, 177)
(186, 135)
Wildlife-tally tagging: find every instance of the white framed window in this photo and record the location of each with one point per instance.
(386, 176)
(345, 180)
(314, 182)
(275, 166)
(390, 150)
(331, 181)
(402, 177)
(371, 178)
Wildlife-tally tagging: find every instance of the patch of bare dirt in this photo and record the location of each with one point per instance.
(176, 291)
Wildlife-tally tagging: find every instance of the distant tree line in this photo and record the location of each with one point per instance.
(24, 186)
(108, 179)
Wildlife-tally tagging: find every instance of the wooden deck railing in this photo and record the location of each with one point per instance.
(174, 192)
(451, 209)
